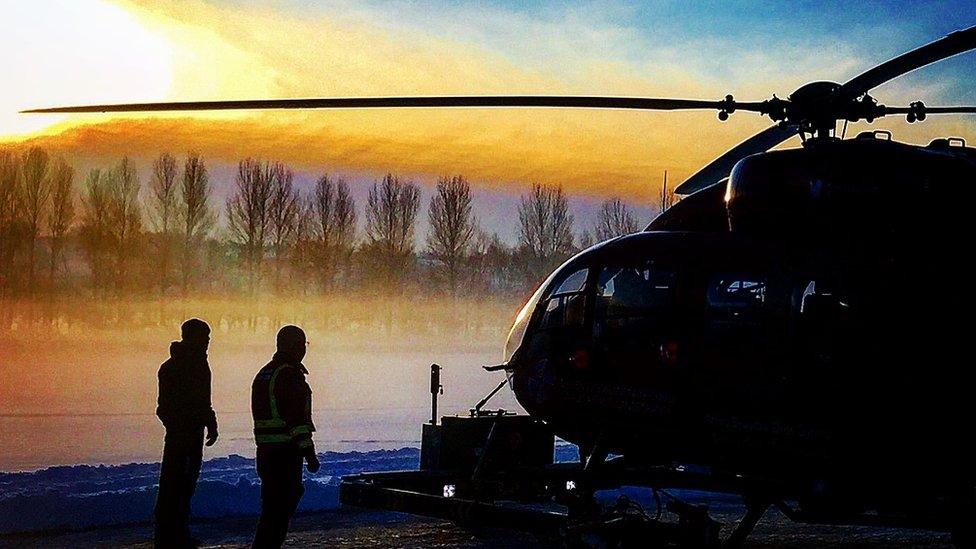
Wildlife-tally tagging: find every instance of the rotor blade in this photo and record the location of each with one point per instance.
(721, 166)
(953, 44)
(932, 110)
(592, 102)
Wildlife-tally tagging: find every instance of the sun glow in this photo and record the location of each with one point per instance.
(77, 51)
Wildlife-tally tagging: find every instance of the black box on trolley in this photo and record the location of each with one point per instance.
(495, 441)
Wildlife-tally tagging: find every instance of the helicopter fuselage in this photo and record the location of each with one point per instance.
(807, 321)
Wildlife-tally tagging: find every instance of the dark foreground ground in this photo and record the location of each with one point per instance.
(350, 528)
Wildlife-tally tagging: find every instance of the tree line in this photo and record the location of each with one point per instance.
(110, 233)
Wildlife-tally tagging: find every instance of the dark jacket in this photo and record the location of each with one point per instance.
(292, 404)
(184, 391)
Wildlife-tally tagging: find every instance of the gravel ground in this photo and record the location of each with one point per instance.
(353, 529)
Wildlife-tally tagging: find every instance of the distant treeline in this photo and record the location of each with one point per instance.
(110, 233)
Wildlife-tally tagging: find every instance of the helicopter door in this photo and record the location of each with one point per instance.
(634, 323)
(736, 336)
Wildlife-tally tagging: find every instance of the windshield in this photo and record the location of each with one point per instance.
(568, 285)
(517, 332)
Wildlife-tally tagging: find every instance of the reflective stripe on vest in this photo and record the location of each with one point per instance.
(272, 430)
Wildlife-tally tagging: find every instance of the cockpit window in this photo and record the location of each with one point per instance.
(566, 305)
(737, 292)
(573, 283)
(626, 289)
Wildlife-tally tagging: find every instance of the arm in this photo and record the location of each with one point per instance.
(294, 404)
(209, 415)
(165, 405)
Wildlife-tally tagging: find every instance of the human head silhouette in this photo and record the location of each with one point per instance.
(291, 342)
(195, 334)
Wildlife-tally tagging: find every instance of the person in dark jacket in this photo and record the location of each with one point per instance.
(185, 410)
(281, 405)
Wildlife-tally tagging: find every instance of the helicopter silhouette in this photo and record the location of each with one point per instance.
(799, 320)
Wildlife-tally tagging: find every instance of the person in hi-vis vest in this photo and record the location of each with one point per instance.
(281, 405)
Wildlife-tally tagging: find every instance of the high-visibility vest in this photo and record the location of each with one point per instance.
(270, 427)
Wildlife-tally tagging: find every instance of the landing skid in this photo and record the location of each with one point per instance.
(546, 502)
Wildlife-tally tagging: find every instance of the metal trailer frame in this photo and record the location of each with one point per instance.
(550, 502)
(469, 475)
(554, 511)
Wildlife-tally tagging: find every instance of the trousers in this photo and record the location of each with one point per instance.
(178, 474)
(280, 469)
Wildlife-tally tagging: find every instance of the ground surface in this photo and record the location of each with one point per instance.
(361, 529)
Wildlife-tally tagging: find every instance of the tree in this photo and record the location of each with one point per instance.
(391, 213)
(585, 239)
(494, 264)
(9, 215)
(95, 233)
(545, 228)
(284, 212)
(248, 213)
(614, 219)
(452, 225)
(125, 217)
(62, 213)
(332, 227)
(162, 211)
(194, 214)
(34, 195)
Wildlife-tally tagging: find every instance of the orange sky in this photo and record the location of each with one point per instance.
(198, 50)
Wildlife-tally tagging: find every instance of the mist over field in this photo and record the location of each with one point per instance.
(82, 373)
(99, 269)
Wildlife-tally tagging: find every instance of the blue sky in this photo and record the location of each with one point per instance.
(732, 32)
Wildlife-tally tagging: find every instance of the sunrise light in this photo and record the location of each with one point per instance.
(77, 51)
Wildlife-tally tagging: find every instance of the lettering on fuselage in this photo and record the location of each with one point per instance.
(616, 398)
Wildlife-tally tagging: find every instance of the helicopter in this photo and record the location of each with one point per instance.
(798, 318)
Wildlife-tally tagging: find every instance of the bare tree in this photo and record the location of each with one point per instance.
(545, 228)
(452, 225)
(194, 214)
(492, 261)
(62, 213)
(585, 239)
(332, 227)
(391, 213)
(302, 256)
(9, 215)
(163, 194)
(34, 195)
(96, 219)
(248, 213)
(162, 211)
(614, 219)
(125, 216)
(285, 210)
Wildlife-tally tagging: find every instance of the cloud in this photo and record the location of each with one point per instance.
(240, 50)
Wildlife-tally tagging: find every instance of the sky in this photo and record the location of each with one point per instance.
(91, 51)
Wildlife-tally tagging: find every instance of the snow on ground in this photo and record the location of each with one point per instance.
(86, 505)
(83, 496)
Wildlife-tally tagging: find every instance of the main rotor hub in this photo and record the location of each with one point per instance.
(815, 108)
